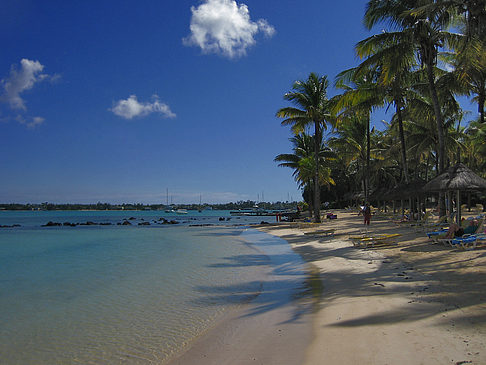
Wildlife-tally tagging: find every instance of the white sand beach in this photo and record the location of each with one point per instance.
(407, 303)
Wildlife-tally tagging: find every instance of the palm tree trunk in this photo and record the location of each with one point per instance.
(402, 140)
(427, 168)
(438, 117)
(440, 125)
(368, 154)
(317, 189)
(481, 100)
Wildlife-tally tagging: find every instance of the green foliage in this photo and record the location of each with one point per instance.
(416, 65)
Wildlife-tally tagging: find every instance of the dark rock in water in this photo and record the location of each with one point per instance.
(106, 224)
(263, 222)
(118, 224)
(229, 218)
(12, 226)
(144, 224)
(16, 225)
(88, 223)
(132, 218)
(173, 222)
(221, 219)
(126, 223)
(51, 224)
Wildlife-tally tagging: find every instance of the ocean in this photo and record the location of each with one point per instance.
(134, 294)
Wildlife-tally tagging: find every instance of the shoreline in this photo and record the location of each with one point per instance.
(273, 328)
(410, 303)
(407, 303)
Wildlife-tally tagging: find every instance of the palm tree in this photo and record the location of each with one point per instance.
(310, 98)
(351, 144)
(421, 34)
(382, 79)
(302, 161)
(303, 147)
(475, 146)
(470, 64)
(360, 95)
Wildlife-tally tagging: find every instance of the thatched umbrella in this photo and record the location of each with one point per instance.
(458, 178)
(407, 192)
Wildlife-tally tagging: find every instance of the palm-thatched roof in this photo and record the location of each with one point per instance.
(406, 191)
(381, 193)
(457, 177)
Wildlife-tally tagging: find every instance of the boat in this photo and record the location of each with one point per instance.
(181, 211)
(255, 211)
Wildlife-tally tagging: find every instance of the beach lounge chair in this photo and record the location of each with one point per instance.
(441, 223)
(469, 242)
(435, 235)
(325, 232)
(454, 242)
(307, 225)
(374, 239)
(424, 223)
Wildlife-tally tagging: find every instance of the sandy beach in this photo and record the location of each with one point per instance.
(412, 302)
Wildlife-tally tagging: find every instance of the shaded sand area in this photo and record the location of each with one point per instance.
(412, 302)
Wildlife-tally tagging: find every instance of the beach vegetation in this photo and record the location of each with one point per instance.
(425, 56)
(311, 107)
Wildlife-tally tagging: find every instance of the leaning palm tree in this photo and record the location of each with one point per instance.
(311, 108)
(469, 16)
(421, 35)
(392, 65)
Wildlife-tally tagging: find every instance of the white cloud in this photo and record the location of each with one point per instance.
(131, 108)
(21, 80)
(35, 122)
(32, 124)
(225, 27)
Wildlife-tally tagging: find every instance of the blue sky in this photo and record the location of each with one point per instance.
(118, 101)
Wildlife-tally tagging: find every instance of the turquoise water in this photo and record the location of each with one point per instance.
(122, 295)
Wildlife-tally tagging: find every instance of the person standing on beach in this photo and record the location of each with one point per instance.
(367, 214)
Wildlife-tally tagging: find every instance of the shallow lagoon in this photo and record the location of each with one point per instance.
(111, 294)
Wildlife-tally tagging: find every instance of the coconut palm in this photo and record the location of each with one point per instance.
(351, 144)
(302, 161)
(311, 108)
(361, 94)
(421, 35)
(476, 146)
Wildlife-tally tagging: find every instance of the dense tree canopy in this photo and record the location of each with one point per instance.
(429, 53)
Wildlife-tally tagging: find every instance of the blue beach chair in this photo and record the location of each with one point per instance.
(464, 242)
(435, 235)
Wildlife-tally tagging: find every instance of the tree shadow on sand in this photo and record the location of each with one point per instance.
(436, 284)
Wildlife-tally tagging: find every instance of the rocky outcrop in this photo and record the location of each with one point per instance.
(52, 224)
